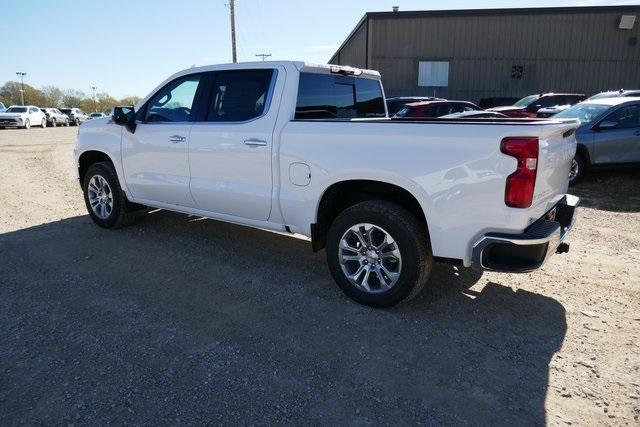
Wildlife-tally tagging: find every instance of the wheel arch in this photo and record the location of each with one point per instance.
(89, 157)
(583, 150)
(340, 195)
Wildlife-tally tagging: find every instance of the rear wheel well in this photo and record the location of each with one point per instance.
(345, 194)
(87, 159)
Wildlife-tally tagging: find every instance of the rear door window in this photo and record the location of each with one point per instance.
(328, 96)
(239, 95)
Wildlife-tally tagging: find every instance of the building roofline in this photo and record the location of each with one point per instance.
(483, 12)
(350, 36)
(505, 11)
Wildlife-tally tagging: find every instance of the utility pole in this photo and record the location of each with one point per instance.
(263, 55)
(233, 30)
(21, 74)
(95, 105)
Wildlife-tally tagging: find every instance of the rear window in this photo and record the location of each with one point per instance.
(328, 96)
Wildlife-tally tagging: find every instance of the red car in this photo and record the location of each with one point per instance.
(432, 109)
(529, 105)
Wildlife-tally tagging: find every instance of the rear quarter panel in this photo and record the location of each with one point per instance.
(455, 171)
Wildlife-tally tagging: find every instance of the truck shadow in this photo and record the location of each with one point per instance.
(613, 190)
(196, 320)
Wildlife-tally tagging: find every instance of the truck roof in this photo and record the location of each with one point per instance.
(301, 66)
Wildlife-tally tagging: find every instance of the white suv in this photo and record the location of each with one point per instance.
(23, 117)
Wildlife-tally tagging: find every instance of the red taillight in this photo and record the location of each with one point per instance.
(520, 184)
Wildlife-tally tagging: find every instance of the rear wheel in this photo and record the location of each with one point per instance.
(105, 201)
(66, 122)
(379, 253)
(578, 167)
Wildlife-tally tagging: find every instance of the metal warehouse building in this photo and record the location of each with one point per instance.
(471, 54)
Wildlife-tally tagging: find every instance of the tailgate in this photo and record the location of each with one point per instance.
(556, 151)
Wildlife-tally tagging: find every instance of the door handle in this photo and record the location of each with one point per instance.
(177, 138)
(255, 142)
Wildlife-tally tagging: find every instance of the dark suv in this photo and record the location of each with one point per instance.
(529, 105)
(76, 116)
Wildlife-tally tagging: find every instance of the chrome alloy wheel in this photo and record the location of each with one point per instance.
(369, 258)
(575, 170)
(100, 197)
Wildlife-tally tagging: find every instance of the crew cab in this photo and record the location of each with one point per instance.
(309, 149)
(23, 116)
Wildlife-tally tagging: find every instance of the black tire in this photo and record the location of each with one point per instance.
(76, 122)
(411, 237)
(578, 169)
(121, 213)
(53, 123)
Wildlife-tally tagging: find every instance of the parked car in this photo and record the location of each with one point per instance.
(551, 111)
(2, 107)
(76, 116)
(96, 116)
(497, 101)
(609, 133)
(476, 114)
(529, 105)
(22, 116)
(55, 117)
(434, 109)
(314, 153)
(616, 94)
(395, 104)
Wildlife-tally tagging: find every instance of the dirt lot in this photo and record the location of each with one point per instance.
(181, 319)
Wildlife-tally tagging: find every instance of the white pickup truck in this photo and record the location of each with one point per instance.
(309, 149)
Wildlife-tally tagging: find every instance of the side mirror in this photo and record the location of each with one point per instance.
(607, 124)
(125, 116)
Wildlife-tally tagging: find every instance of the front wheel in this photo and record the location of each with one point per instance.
(53, 123)
(27, 124)
(577, 171)
(379, 253)
(43, 123)
(105, 201)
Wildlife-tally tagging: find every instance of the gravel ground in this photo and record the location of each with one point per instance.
(179, 319)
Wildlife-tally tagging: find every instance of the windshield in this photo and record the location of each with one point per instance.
(66, 110)
(524, 102)
(586, 113)
(17, 110)
(96, 114)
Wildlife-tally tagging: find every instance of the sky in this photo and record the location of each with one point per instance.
(127, 47)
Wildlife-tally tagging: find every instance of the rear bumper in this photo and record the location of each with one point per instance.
(529, 250)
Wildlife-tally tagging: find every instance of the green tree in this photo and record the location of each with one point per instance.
(52, 97)
(72, 98)
(129, 100)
